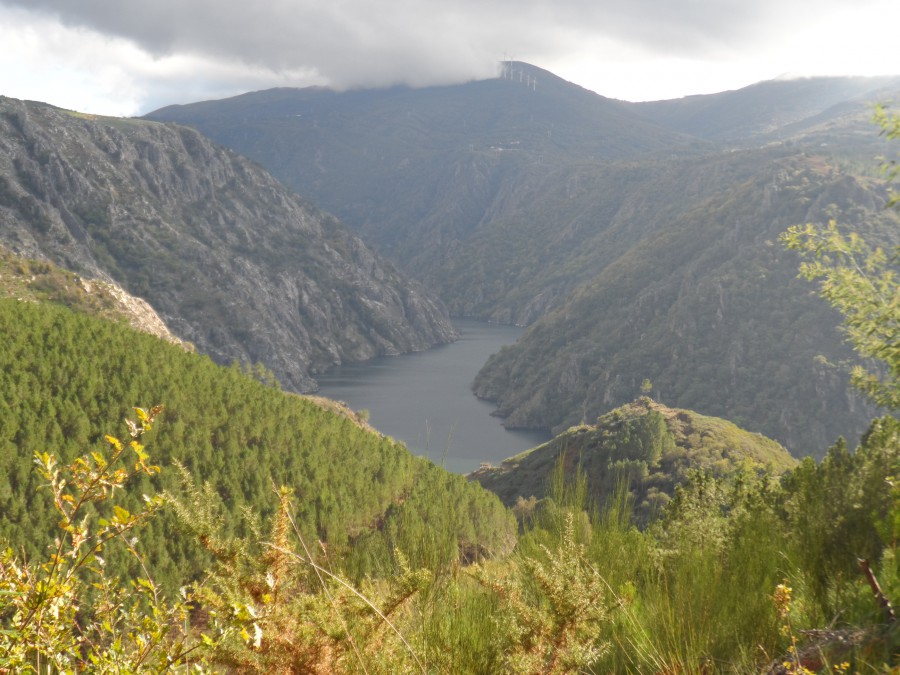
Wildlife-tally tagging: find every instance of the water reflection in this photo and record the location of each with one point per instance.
(425, 400)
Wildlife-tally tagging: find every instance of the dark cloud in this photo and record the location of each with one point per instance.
(128, 57)
(361, 42)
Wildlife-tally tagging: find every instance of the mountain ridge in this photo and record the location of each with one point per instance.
(725, 328)
(763, 108)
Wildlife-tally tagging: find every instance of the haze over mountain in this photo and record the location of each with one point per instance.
(772, 110)
(233, 261)
(527, 199)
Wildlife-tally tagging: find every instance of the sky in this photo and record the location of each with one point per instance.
(125, 57)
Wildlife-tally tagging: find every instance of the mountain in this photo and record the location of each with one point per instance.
(710, 310)
(497, 194)
(636, 240)
(650, 447)
(424, 175)
(233, 261)
(770, 109)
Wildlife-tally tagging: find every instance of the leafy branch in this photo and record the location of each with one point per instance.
(861, 282)
(45, 604)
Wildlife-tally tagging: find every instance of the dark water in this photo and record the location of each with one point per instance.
(425, 399)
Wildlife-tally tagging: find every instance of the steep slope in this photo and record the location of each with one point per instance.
(40, 281)
(234, 262)
(710, 310)
(646, 445)
(67, 379)
(498, 194)
(419, 172)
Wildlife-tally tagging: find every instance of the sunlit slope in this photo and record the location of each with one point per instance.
(643, 446)
(67, 379)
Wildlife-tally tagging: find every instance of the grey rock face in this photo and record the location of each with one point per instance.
(232, 260)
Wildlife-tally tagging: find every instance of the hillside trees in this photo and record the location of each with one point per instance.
(860, 281)
(373, 514)
(66, 378)
(725, 328)
(848, 507)
(843, 510)
(728, 553)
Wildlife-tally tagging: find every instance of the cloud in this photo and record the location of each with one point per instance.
(152, 53)
(354, 42)
(344, 42)
(44, 61)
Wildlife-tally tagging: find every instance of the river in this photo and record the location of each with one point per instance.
(425, 400)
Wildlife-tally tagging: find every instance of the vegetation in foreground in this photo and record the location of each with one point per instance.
(738, 576)
(739, 572)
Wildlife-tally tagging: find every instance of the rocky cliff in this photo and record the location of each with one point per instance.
(233, 261)
(41, 281)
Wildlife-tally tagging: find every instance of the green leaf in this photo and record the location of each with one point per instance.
(122, 515)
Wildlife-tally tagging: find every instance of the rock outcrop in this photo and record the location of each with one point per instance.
(233, 261)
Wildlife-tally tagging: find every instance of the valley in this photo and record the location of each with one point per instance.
(234, 262)
(698, 480)
(633, 240)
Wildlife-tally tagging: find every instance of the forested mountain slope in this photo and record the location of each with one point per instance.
(503, 195)
(429, 176)
(233, 261)
(67, 379)
(710, 310)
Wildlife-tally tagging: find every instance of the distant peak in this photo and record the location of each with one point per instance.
(791, 75)
(518, 71)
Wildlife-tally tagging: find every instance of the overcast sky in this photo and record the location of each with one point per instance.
(123, 57)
